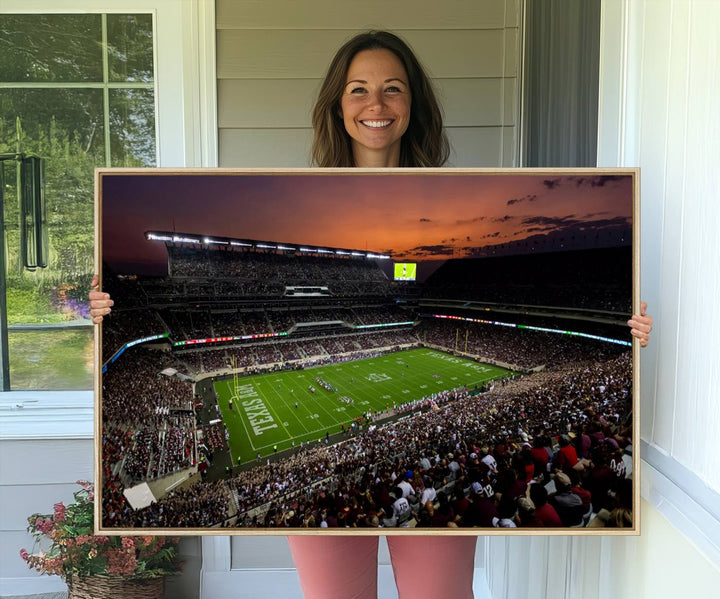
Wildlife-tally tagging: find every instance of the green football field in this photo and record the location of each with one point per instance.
(264, 412)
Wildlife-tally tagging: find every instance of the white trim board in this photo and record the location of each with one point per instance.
(680, 495)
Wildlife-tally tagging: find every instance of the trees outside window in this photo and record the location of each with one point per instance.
(77, 90)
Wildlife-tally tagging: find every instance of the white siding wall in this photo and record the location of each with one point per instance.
(34, 475)
(660, 80)
(271, 57)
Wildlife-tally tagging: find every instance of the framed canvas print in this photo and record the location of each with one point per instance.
(405, 351)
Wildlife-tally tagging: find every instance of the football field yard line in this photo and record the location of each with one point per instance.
(304, 397)
(309, 433)
(280, 397)
(316, 398)
(233, 395)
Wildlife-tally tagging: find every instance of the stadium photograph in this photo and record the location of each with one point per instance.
(390, 351)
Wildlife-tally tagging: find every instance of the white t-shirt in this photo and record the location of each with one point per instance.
(400, 506)
(428, 494)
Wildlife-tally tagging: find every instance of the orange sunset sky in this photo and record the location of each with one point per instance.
(410, 214)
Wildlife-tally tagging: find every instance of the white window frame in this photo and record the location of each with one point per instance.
(186, 132)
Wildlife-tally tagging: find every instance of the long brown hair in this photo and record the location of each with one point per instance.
(423, 144)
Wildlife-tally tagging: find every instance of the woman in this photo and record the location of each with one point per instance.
(376, 108)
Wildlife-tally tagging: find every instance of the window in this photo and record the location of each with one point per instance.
(77, 90)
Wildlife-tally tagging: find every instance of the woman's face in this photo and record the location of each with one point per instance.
(375, 107)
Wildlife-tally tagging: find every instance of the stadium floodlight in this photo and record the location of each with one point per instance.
(178, 239)
(342, 253)
(377, 256)
(322, 251)
(283, 247)
(311, 250)
(358, 254)
(208, 241)
(263, 246)
(154, 237)
(238, 243)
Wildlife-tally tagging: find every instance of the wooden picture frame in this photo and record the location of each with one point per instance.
(256, 310)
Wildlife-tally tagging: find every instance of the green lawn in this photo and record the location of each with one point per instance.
(54, 359)
(263, 410)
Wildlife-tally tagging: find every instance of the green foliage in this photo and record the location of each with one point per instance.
(66, 127)
(27, 303)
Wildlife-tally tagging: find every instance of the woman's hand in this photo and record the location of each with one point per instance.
(641, 325)
(100, 302)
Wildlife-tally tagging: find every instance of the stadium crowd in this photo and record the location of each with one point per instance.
(542, 450)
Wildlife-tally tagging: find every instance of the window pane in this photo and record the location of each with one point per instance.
(132, 127)
(65, 127)
(53, 359)
(50, 48)
(50, 333)
(53, 121)
(130, 47)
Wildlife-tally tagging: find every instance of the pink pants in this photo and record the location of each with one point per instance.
(427, 567)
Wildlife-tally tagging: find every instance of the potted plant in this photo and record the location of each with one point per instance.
(95, 567)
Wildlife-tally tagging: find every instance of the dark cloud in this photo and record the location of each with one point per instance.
(503, 219)
(584, 181)
(596, 181)
(425, 220)
(527, 198)
(431, 250)
(549, 223)
(468, 221)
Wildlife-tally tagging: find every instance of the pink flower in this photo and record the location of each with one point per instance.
(44, 526)
(59, 509)
(53, 565)
(128, 543)
(82, 539)
(121, 562)
(24, 555)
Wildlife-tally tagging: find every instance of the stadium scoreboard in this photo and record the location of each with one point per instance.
(405, 271)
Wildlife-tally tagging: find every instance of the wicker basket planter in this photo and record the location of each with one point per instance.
(116, 587)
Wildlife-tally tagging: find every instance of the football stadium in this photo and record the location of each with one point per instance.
(271, 385)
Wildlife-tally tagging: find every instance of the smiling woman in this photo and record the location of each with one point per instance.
(375, 107)
(364, 104)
